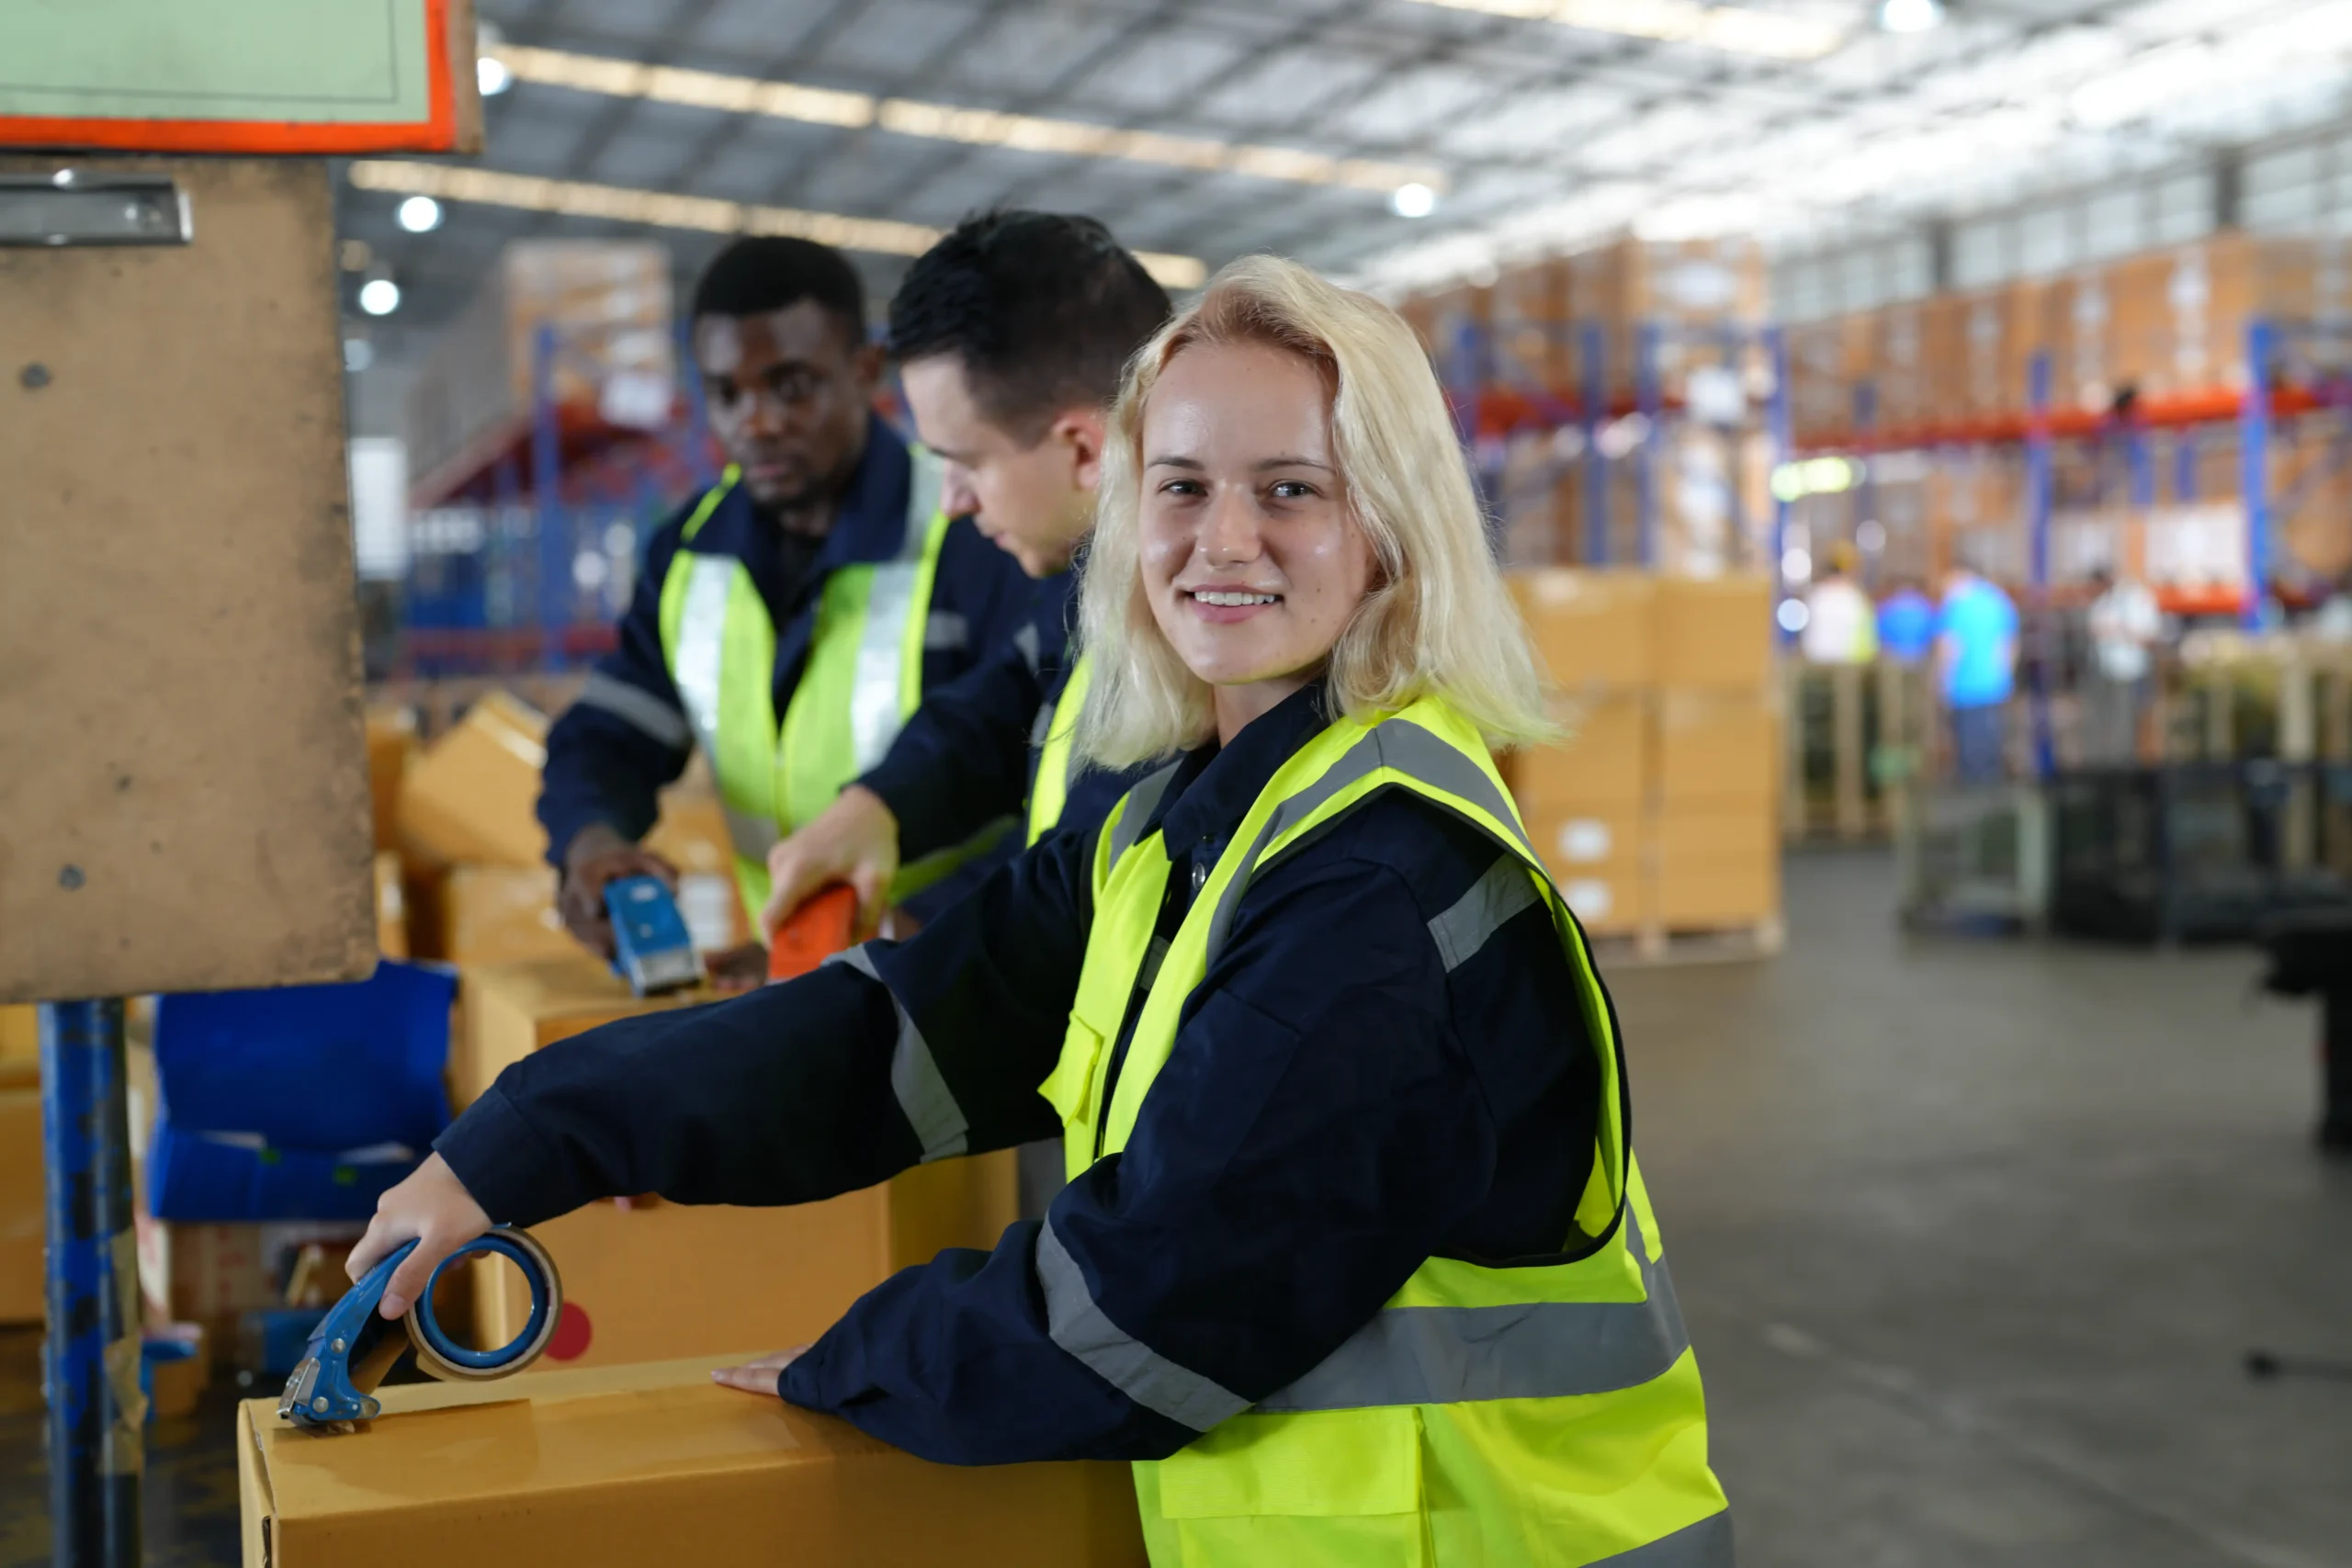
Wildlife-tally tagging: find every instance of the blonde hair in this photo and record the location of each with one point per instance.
(1438, 620)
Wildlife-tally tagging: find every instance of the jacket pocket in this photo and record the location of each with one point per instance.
(1328, 1489)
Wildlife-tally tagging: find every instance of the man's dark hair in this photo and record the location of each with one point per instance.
(769, 272)
(1043, 308)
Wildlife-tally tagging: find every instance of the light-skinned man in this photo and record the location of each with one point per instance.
(1012, 333)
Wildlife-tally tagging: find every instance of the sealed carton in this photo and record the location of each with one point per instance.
(649, 1465)
(1715, 633)
(1717, 749)
(22, 1203)
(20, 1032)
(646, 1279)
(1591, 628)
(472, 795)
(501, 914)
(391, 906)
(1596, 857)
(1714, 866)
(392, 741)
(1601, 762)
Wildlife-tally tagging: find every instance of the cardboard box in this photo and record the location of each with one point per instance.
(1602, 763)
(1596, 857)
(23, 1203)
(473, 794)
(653, 1280)
(392, 741)
(212, 1274)
(1590, 629)
(502, 914)
(1715, 749)
(391, 906)
(1715, 633)
(649, 1465)
(20, 1032)
(1714, 866)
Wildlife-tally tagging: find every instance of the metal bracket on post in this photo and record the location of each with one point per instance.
(91, 1357)
(76, 206)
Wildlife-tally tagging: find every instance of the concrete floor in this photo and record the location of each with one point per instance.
(1972, 1236)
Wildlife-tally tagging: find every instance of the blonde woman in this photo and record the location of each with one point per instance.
(1355, 1261)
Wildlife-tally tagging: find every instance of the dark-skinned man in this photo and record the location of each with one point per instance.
(790, 618)
(1011, 334)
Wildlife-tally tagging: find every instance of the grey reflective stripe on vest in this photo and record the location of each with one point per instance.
(929, 1107)
(1398, 745)
(1030, 646)
(1706, 1544)
(1527, 1350)
(753, 837)
(945, 631)
(1041, 729)
(1494, 898)
(1142, 799)
(638, 709)
(874, 699)
(702, 644)
(1118, 1358)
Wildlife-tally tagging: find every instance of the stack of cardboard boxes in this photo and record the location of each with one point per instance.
(22, 1203)
(1656, 812)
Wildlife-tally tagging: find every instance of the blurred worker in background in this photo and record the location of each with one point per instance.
(789, 618)
(1356, 1263)
(2124, 623)
(1906, 625)
(1977, 661)
(1011, 334)
(2333, 619)
(1839, 628)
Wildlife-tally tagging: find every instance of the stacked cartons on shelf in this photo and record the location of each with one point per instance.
(1656, 811)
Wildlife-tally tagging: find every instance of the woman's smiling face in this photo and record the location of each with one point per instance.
(1251, 559)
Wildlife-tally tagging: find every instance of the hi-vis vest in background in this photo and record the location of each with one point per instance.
(1537, 1415)
(862, 681)
(1055, 738)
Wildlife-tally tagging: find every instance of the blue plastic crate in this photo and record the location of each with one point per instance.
(323, 1068)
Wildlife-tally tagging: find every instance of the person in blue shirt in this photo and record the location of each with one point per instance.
(1356, 1253)
(1906, 625)
(1976, 657)
(827, 541)
(1011, 334)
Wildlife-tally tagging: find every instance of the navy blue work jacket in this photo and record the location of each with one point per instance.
(969, 755)
(1338, 1106)
(612, 751)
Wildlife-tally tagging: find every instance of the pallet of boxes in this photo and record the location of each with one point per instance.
(1655, 810)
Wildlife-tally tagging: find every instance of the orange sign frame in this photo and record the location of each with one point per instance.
(445, 127)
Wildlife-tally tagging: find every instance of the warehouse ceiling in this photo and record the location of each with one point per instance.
(1202, 130)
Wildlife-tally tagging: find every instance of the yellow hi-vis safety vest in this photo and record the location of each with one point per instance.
(862, 681)
(1542, 1414)
(1055, 738)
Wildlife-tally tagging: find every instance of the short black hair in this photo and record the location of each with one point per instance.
(771, 272)
(1043, 309)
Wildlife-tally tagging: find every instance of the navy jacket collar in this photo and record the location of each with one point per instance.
(869, 524)
(1214, 786)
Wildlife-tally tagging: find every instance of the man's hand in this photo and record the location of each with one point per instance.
(597, 857)
(855, 839)
(760, 1376)
(432, 1207)
(733, 970)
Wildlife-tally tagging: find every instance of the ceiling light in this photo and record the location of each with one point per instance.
(1413, 200)
(453, 182)
(1910, 15)
(946, 122)
(492, 76)
(380, 295)
(1731, 29)
(419, 214)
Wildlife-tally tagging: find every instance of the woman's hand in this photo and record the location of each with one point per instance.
(758, 1377)
(433, 1207)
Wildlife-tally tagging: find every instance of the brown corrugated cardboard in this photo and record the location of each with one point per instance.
(646, 1464)
(472, 795)
(391, 906)
(1591, 628)
(22, 1210)
(1602, 761)
(1714, 866)
(502, 914)
(1596, 859)
(20, 1032)
(1715, 633)
(1714, 748)
(757, 1275)
(392, 741)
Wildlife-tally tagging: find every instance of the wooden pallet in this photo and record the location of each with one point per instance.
(1656, 946)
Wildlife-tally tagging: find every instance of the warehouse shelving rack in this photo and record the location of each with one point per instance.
(1490, 409)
